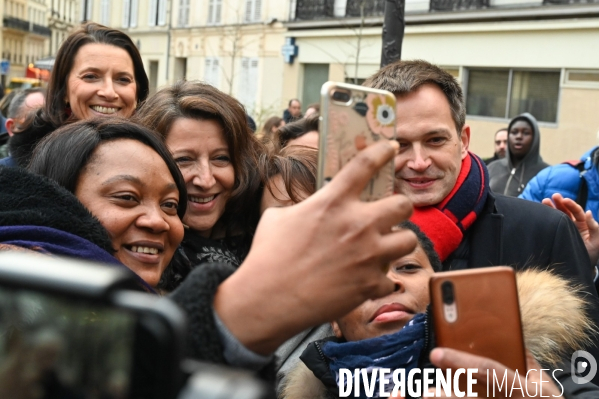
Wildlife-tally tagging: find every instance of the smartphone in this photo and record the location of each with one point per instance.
(76, 329)
(477, 311)
(352, 118)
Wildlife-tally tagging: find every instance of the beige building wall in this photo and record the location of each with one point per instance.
(66, 15)
(151, 38)
(559, 45)
(232, 41)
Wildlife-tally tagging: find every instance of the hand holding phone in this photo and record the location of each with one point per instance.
(477, 311)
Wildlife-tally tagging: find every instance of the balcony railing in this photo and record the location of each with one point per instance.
(549, 2)
(314, 9)
(21, 24)
(372, 8)
(16, 23)
(307, 10)
(41, 30)
(455, 5)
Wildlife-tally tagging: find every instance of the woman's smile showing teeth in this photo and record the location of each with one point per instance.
(145, 250)
(104, 110)
(148, 252)
(201, 200)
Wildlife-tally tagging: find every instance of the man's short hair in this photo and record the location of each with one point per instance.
(15, 107)
(292, 100)
(405, 77)
(501, 130)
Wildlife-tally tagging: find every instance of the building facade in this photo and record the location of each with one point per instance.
(234, 45)
(510, 57)
(63, 15)
(25, 35)
(148, 24)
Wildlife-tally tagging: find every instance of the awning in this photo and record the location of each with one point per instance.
(45, 63)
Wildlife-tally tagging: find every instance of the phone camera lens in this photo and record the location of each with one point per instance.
(341, 96)
(447, 292)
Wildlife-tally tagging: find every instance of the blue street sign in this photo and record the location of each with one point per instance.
(289, 50)
(4, 67)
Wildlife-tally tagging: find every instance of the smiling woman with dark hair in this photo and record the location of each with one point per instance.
(98, 72)
(206, 131)
(125, 176)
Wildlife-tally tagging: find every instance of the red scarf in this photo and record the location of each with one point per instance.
(446, 222)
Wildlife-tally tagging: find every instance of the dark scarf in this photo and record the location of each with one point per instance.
(446, 222)
(196, 250)
(400, 350)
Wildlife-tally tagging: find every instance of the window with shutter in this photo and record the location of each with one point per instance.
(161, 13)
(126, 10)
(243, 80)
(218, 10)
(253, 11)
(183, 13)
(152, 12)
(215, 73)
(211, 71)
(248, 83)
(214, 11)
(105, 13)
(133, 13)
(86, 10)
(257, 10)
(89, 9)
(248, 10)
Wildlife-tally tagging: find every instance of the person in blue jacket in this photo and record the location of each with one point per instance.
(569, 180)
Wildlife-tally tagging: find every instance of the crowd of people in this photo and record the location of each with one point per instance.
(178, 188)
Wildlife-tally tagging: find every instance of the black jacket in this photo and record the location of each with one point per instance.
(195, 296)
(519, 233)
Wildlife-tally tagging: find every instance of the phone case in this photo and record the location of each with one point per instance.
(348, 127)
(487, 320)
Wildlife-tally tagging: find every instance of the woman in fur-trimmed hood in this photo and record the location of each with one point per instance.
(554, 324)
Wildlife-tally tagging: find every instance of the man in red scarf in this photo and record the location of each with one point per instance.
(469, 225)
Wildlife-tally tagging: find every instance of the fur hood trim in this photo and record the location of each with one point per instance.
(554, 324)
(554, 316)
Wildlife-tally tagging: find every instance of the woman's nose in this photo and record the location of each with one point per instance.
(203, 177)
(153, 219)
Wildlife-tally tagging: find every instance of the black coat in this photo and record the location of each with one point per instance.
(519, 233)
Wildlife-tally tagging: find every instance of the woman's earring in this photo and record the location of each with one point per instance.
(67, 109)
